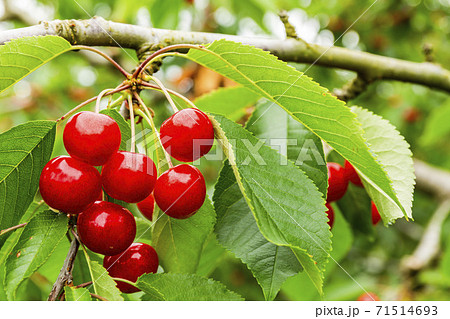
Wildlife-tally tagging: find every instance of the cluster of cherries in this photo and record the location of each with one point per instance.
(73, 185)
(338, 180)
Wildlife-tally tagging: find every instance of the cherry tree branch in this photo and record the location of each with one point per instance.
(100, 32)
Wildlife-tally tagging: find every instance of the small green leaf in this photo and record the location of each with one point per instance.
(24, 151)
(124, 126)
(179, 242)
(77, 294)
(393, 153)
(183, 287)
(36, 244)
(20, 57)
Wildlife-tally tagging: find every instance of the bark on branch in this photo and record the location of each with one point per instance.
(100, 32)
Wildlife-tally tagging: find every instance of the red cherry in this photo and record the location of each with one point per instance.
(147, 206)
(69, 185)
(368, 296)
(337, 182)
(352, 175)
(375, 214)
(106, 228)
(137, 260)
(411, 115)
(330, 214)
(180, 191)
(91, 137)
(187, 135)
(129, 176)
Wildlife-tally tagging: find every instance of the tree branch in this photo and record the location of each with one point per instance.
(372, 67)
(432, 179)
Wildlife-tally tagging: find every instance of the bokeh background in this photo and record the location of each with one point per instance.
(395, 28)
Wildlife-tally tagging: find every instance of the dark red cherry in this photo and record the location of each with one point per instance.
(129, 176)
(69, 185)
(147, 206)
(352, 175)
(375, 214)
(91, 137)
(368, 296)
(180, 191)
(187, 135)
(106, 228)
(337, 182)
(330, 215)
(137, 260)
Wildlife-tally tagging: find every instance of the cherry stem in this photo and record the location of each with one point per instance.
(84, 284)
(166, 93)
(147, 85)
(99, 98)
(149, 120)
(133, 124)
(125, 281)
(92, 99)
(4, 231)
(144, 64)
(107, 57)
(98, 297)
(116, 102)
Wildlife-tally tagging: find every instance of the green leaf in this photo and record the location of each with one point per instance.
(77, 294)
(179, 242)
(104, 285)
(212, 255)
(230, 102)
(436, 126)
(291, 139)
(36, 244)
(183, 287)
(393, 153)
(20, 57)
(287, 206)
(238, 232)
(24, 151)
(124, 126)
(303, 99)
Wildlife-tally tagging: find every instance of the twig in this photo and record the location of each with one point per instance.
(352, 89)
(65, 275)
(290, 30)
(98, 297)
(432, 179)
(85, 284)
(4, 231)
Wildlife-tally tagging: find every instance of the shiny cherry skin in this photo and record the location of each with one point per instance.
(187, 135)
(91, 137)
(352, 175)
(330, 215)
(180, 191)
(147, 206)
(129, 176)
(375, 214)
(337, 182)
(137, 260)
(368, 296)
(69, 185)
(106, 228)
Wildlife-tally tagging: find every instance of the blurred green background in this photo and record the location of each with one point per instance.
(396, 28)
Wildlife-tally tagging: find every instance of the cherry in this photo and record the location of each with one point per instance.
(368, 296)
(375, 214)
(147, 206)
(129, 176)
(180, 191)
(91, 137)
(337, 182)
(330, 214)
(137, 260)
(411, 115)
(69, 185)
(352, 175)
(106, 228)
(187, 135)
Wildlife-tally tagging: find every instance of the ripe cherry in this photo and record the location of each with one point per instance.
(337, 182)
(69, 185)
(187, 135)
(375, 214)
(106, 228)
(129, 176)
(352, 175)
(368, 296)
(91, 137)
(147, 206)
(137, 260)
(180, 191)
(330, 214)
(411, 115)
